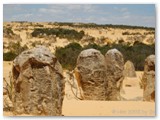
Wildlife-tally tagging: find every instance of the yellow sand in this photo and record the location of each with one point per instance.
(73, 107)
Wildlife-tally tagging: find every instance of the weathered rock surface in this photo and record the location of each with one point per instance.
(91, 74)
(38, 83)
(129, 69)
(115, 66)
(148, 79)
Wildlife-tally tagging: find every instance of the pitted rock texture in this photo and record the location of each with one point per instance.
(129, 69)
(38, 83)
(148, 79)
(91, 72)
(115, 66)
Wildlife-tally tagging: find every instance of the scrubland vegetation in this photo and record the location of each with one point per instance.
(131, 45)
(59, 32)
(137, 53)
(93, 25)
(14, 50)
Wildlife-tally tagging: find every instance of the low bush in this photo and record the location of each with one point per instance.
(136, 53)
(14, 50)
(68, 55)
(59, 32)
(8, 31)
(93, 25)
(9, 56)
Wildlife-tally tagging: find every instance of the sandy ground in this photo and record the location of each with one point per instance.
(104, 108)
(108, 108)
(75, 107)
(131, 89)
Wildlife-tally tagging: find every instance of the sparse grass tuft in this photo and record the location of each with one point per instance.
(8, 91)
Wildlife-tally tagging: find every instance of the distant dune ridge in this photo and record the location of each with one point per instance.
(101, 82)
(98, 34)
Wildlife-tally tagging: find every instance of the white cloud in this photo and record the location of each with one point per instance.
(51, 10)
(76, 13)
(43, 10)
(123, 9)
(28, 15)
(67, 9)
(126, 16)
(126, 13)
(149, 19)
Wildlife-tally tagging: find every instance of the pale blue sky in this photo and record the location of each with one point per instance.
(133, 14)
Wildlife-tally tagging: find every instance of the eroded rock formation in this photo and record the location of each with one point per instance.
(115, 66)
(38, 83)
(129, 69)
(148, 79)
(91, 74)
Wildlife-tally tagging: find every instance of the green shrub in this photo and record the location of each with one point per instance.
(14, 50)
(38, 25)
(127, 33)
(16, 47)
(9, 56)
(67, 56)
(136, 53)
(8, 31)
(59, 32)
(93, 25)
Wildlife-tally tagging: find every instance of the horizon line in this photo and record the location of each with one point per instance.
(126, 25)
